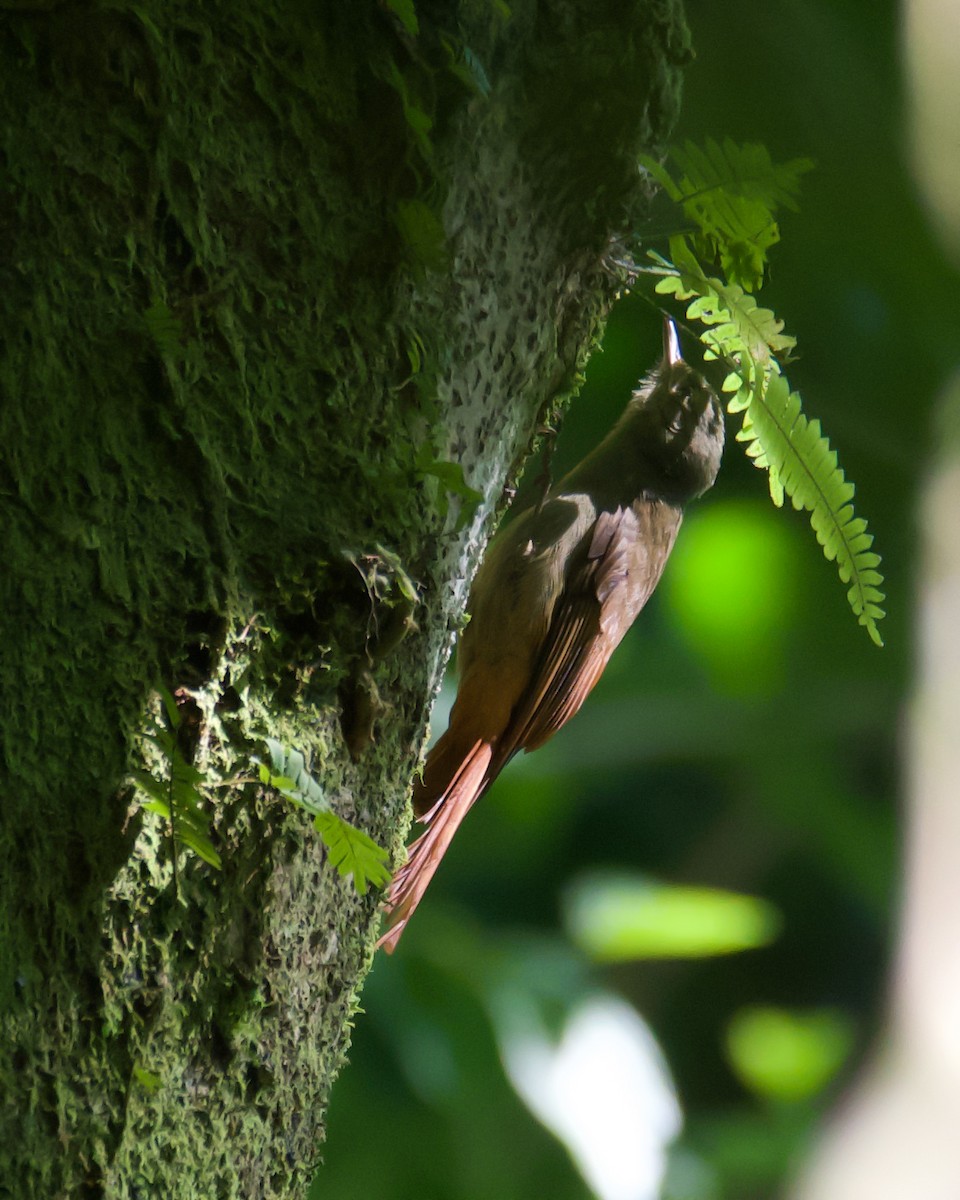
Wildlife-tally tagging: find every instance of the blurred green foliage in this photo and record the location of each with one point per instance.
(739, 567)
(745, 735)
(787, 1055)
(619, 919)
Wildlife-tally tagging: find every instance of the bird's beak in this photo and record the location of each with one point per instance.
(671, 342)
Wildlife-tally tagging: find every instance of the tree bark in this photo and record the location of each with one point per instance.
(234, 349)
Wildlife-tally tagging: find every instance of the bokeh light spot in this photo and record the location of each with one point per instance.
(732, 589)
(619, 918)
(787, 1055)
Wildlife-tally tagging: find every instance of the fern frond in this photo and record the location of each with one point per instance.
(807, 468)
(776, 436)
(731, 312)
(731, 172)
(747, 394)
(731, 193)
(352, 852)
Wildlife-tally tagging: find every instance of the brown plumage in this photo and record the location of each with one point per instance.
(557, 590)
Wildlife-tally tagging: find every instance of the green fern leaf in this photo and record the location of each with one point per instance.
(352, 852)
(733, 314)
(731, 194)
(808, 471)
(732, 172)
(174, 794)
(753, 446)
(407, 14)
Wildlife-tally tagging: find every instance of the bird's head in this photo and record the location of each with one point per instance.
(681, 421)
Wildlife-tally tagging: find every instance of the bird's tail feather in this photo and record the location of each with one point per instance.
(467, 780)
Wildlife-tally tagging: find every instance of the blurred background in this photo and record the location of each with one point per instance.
(672, 954)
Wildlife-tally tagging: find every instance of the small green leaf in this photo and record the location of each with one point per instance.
(176, 797)
(169, 705)
(398, 575)
(660, 174)
(476, 72)
(451, 478)
(201, 846)
(184, 772)
(422, 233)
(313, 796)
(283, 783)
(353, 852)
(418, 120)
(295, 765)
(465, 66)
(163, 739)
(277, 756)
(157, 806)
(155, 788)
(406, 13)
(415, 353)
(165, 329)
(187, 799)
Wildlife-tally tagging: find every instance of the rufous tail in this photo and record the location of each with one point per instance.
(441, 808)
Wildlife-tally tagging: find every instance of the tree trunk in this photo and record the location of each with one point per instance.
(237, 350)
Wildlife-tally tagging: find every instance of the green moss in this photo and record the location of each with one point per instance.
(206, 406)
(158, 495)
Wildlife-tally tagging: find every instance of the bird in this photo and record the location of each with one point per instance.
(557, 590)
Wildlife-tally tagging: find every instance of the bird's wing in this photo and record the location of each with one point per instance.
(608, 584)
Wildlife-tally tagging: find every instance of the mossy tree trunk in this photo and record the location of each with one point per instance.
(234, 347)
